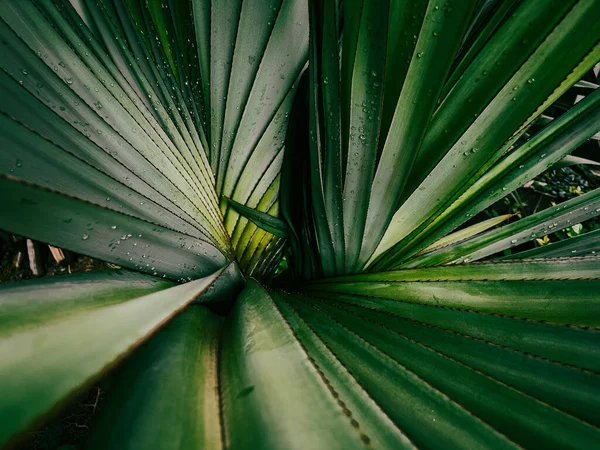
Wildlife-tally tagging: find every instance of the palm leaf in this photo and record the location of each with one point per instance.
(168, 137)
(57, 357)
(106, 234)
(586, 244)
(175, 370)
(370, 348)
(124, 66)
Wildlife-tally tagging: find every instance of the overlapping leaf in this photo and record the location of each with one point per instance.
(130, 104)
(70, 347)
(151, 134)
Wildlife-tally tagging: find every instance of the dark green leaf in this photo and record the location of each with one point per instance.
(265, 221)
(55, 359)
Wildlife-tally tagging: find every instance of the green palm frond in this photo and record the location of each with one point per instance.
(196, 143)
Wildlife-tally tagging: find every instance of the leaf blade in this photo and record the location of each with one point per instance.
(34, 380)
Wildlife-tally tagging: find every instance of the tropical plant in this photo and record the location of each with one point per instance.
(151, 134)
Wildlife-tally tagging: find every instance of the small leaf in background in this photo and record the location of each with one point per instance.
(575, 190)
(543, 241)
(575, 230)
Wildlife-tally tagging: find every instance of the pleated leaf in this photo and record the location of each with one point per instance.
(61, 354)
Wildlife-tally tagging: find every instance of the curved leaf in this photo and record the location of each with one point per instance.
(587, 244)
(265, 221)
(167, 393)
(496, 128)
(509, 415)
(32, 303)
(467, 232)
(263, 370)
(560, 292)
(103, 233)
(571, 160)
(54, 360)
